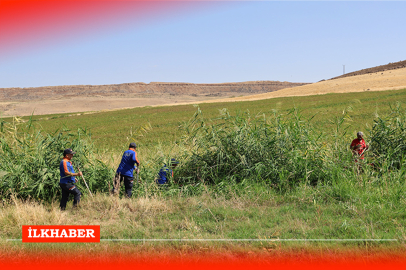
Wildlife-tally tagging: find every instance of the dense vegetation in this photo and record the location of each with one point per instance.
(284, 173)
(388, 141)
(284, 150)
(29, 162)
(279, 151)
(112, 130)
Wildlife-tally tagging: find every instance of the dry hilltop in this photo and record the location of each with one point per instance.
(387, 77)
(81, 98)
(390, 66)
(142, 90)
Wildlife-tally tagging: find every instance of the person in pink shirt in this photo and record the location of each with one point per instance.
(358, 146)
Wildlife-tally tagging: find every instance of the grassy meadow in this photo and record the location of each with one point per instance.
(268, 169)
(112, 130)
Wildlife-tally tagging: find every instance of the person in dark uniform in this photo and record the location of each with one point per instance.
(125, 170)
(166, 172)
(68, 179)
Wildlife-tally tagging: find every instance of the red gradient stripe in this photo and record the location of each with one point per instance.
(27, 24)
(190, 261)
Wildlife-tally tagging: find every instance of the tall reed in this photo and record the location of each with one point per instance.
(281, 150)
(388, 140)
(29, 160)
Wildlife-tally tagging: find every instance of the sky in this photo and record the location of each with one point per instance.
(72, 42)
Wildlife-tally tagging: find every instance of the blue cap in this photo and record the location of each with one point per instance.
(68, 151)
(174, 161)
(132, 145)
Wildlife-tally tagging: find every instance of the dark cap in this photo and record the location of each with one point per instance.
(132, 145)
(174, 161)
(68, 151)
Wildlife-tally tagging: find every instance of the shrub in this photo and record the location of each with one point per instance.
(29, 161)
(279, 150)
(388, 140)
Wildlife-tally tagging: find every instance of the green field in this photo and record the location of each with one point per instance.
(111, 129)
(291, 175)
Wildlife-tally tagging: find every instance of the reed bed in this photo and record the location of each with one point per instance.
(285, 150)
(29, 161)
(388, 141)
(279, 151)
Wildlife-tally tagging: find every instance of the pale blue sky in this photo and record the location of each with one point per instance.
(232, 42)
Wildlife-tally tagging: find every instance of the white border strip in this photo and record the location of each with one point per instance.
(251, 240)
(239, 240)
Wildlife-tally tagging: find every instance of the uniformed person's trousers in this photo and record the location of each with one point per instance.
(69, 188)
(128, 184)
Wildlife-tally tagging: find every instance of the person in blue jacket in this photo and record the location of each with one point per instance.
(68, 179)
(126, 168)
(166, 172)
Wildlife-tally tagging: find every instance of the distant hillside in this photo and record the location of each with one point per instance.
(390, 66)
(142, 89)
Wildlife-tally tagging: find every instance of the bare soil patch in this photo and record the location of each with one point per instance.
(88, 104)
(378, 81)
(84, 98)
(390, 66)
